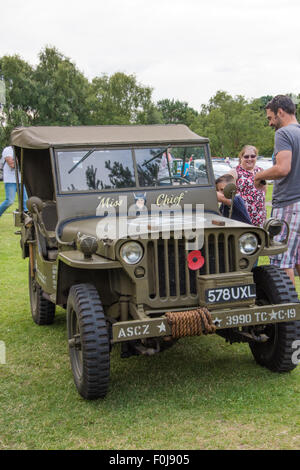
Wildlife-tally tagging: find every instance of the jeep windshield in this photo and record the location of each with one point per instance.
(109, 169)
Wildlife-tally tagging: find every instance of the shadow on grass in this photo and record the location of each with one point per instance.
(196, 373)
(191, 375)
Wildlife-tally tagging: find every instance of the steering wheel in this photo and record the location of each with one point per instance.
(171, 178)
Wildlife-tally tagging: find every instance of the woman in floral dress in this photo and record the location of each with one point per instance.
(255, 199)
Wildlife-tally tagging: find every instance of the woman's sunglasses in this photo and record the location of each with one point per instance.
(249, 156)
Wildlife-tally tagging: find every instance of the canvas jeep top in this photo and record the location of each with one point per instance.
(123, 230)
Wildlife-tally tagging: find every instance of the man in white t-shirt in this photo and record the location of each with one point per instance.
(9, 179)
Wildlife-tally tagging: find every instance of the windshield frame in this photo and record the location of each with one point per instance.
(132, 148)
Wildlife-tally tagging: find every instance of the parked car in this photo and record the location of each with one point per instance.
(265, 163)
(197, 170)
(220, 168)
(234, 162)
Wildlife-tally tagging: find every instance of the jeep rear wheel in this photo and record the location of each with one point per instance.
(88, 339)
(42, 310)
(274, 286)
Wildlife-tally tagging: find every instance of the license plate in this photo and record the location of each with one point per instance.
(138, 329)
(230, 294)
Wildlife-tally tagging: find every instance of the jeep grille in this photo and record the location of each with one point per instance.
(168, 272)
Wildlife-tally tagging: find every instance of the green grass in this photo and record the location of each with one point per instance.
(200, 394)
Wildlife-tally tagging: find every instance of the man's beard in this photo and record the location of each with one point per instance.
(277, 125)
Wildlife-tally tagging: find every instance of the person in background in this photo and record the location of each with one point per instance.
(281, 114)
(165, 168)
(254, 198)
(239, 211)
(9, 179)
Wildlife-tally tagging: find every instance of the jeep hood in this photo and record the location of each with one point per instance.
(109, 231)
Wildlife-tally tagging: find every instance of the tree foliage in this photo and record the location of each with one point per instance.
(176, 112)
(20, 96)
(119, 99)
(55, 92)
(62, 91)
(232, 122)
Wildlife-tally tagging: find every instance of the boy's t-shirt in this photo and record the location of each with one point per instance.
(239, 210)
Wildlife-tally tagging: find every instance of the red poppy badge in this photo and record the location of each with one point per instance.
(195, 260)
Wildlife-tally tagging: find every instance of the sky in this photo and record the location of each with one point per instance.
(185, 50)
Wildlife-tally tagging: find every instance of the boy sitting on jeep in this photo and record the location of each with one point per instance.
(239, 210)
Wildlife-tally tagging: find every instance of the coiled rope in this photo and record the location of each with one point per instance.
(191, 323)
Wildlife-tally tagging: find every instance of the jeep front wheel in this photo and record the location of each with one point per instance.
(88, 339)
(273, 286)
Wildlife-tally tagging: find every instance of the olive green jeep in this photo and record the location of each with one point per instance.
(123, 230)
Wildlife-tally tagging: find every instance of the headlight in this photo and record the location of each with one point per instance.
(131, 252)
(248, 243)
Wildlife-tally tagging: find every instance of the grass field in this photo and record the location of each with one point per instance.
(200, 394)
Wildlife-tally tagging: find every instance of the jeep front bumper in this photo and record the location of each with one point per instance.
(222, 319)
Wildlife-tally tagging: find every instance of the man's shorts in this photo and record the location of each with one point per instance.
(291, 257)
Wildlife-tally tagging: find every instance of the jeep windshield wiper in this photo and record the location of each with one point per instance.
(157, 155)
(81, 160)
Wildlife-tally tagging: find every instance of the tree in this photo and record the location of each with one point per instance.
(176, 112)
(119, 99)
(260, 103)
(150, 115)
(296, 100)
(91, 181)
(20, 95)
(230, 123)
(55, 93)
(298, 109)
(62, 91)
(119, 176)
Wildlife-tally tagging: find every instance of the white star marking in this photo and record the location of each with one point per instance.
(162, 327)
(217, 320)
(273, 315)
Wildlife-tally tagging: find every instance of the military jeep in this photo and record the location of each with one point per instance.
(131, 243)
